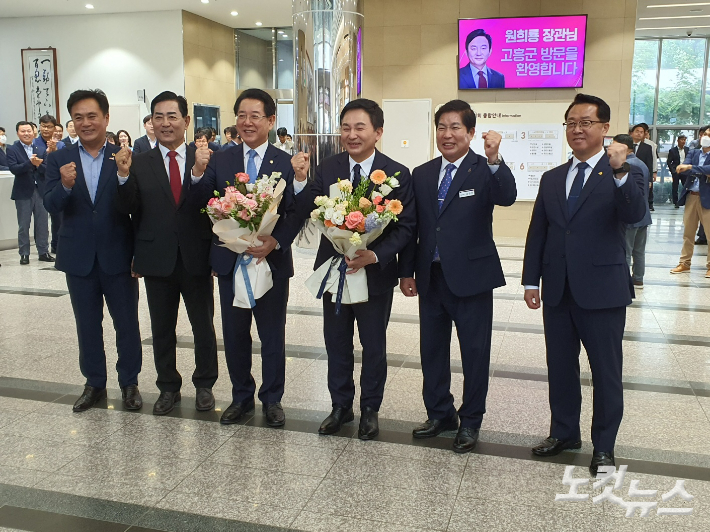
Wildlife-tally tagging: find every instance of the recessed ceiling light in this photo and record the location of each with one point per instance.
(89, 6)
(679, 5)
(258, 23)
(281, 31)
(667, 18)
(205, 1)
(671, 28)
(234, 13)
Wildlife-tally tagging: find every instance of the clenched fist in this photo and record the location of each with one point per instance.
(123, 159)
(68, 173)
(301, 163)
(617, 155)
(51, 145)
(202, 159)
(491, 143)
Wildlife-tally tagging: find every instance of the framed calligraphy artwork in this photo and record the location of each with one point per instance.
(39, 74)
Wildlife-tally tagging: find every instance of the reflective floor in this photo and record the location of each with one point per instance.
(113, 470)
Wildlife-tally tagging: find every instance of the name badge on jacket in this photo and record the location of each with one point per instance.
(466, 193)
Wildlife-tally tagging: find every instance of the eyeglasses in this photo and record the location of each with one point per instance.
(583, 124)
(252, 118)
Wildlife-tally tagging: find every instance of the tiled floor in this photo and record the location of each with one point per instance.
(132, 471)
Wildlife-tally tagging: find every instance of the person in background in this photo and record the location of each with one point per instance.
(654, 153)
(71, 137)
(48, 139)
(34, 129)
(694, 145)
(283, 143)
(289, 137)
(213, 144)
(676, 155)
(124, 139)
(111, 138)
(58, 132)
(202, 138)
(148, 141)
(3, 151)
(232, 136)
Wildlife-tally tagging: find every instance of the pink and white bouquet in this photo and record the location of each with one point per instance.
(246, 212)
(350, 219)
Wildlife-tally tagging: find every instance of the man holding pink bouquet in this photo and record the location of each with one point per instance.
(452, 263)
(372, 203)
(256, 113)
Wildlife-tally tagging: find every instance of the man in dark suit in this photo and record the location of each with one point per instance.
(148, 141)
(3, 147)
(452, 264)
(361, 126)
(576, 243)
(72, 137)
(47, 131)
(95, 250)
(256, 113)
(644, 152)
(172, 249)
(695, 196)
(231, 134)
(26, 160)
(676, 155)
(476, 75)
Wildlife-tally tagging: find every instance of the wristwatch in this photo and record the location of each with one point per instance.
(624, 169)
(497, 162)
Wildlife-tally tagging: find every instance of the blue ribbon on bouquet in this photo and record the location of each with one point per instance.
(341, 281)
(243, 260)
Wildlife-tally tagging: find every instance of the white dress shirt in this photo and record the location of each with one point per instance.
(365, 166)
(73, 140)
(28, 149)
(260, 152)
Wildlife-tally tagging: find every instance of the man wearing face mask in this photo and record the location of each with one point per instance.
(696, 198)
(3, 150)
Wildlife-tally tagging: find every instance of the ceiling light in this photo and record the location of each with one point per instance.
(205, 1)
(671, 28)
(668, 18)
(258, 23)
(89, 6)
(679, 5)
(234, 13)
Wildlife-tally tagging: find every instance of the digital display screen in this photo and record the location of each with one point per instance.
(522, 53)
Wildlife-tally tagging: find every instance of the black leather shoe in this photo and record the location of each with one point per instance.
(46, 258)
(552, 446)
(132, 399)
(165, 403)
(434, 427)
(465, 440)
(334, 422)
(701, 242)
(89, 398)
(369, 427)
(204, 400)
(24, 259)
(600, 459)
(236, 411)
(274, 414)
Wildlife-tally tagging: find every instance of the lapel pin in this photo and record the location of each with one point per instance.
(271, 162)
(600, 173)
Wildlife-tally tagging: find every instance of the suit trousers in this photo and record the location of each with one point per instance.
(601, 332)
(163, 295)
(694, 213)
(677, 179)
(636, 250)
(473, 317)
(270, 316)
(26, 208)
(338, 331)
(56, 222)
(87, 296)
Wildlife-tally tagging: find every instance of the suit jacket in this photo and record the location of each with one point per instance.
(462, 229)
(67, 141)
(673, 159)
(381, 276)
(3, 161)
(161, 226)
(645, 153)
(224, 164)
(701, 172)
(496, 80)
(90, 231)
(588, 248)
(637, 166)
(142, 145)
(27, 176)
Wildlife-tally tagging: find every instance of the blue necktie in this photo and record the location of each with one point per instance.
(443, 190)
(251, 166)
(357, 175)
(576, 189)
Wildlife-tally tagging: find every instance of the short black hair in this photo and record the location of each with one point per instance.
(46, 119)
(281, 132)
(169, 96)
(93, 94)
(22, 123)
(377, 117)
(59, 125)
(205, 132)
(468, 117)
(232, 131)
(146, 118)
(113, 136)
(68, 122)
(130, 143)
(257, 94)
(681, 137)
(478, 33)
(2, 129)
(32, 124)
(625, 139)
(603, 111)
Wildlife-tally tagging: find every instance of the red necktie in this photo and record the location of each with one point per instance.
(175, 178)
(482, 83)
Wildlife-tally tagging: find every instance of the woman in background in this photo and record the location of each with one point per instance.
(124, 139)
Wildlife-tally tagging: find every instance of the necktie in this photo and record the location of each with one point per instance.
(576, 189)
(251, 165)
(482, 83)
(636, 147)
(175, 179)
(357, 174)
(443, 190)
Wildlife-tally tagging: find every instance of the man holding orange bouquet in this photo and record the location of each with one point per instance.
(361, 126)
(451, 262)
